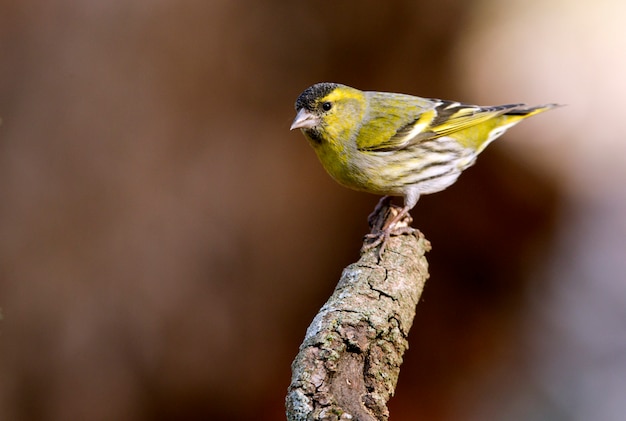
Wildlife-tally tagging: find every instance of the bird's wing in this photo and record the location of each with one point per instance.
(445, 118)
(454, 116)
(392, 119)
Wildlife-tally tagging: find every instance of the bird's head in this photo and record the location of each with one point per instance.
(329, 112)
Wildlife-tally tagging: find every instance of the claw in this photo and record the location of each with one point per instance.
(382, 237)
(395, 221)
(384, 202)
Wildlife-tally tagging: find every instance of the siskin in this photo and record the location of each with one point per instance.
(398, 145)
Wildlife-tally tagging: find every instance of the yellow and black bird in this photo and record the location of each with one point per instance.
(396, 144)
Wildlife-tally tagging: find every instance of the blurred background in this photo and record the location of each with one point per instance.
(165, 240)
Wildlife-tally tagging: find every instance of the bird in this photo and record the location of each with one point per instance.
(395, 144)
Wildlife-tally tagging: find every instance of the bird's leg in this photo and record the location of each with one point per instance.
(384, 202)
(398, 224)
(390, 225)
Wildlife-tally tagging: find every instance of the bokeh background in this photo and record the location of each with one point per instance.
(165, 240)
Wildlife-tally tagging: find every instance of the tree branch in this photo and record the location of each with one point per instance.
(348, 365)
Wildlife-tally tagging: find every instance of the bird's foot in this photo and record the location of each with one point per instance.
(387, 221)
(382, 237)
(374, 218)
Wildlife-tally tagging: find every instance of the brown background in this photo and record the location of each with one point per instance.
(165, 240)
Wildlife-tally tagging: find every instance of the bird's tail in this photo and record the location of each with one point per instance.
(514, 114)
(524, 111)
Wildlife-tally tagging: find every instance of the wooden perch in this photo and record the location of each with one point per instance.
(348, 365)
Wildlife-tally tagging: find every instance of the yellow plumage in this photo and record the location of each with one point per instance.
(396, 144)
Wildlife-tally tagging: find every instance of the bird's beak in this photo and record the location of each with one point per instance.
(304, 120)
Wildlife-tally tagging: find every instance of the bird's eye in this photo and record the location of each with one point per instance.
(327, 106)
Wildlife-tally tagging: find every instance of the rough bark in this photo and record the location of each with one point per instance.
(348, 365)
